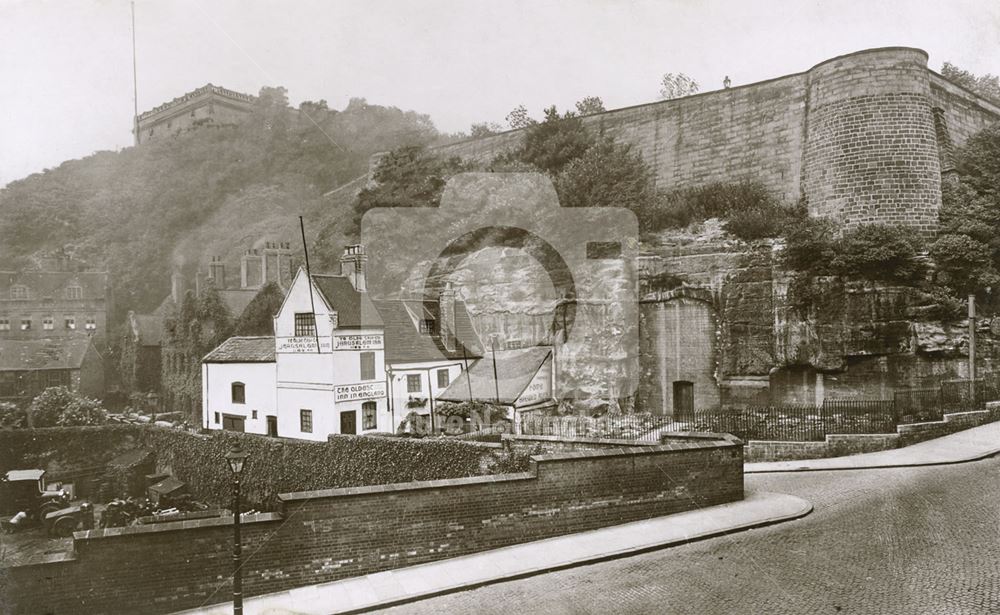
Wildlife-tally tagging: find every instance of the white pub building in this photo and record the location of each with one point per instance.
(339, 362)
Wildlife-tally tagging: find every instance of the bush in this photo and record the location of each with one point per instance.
(748, 207)
(12, 416)
(964, 264)
(877, 252)
(60, 407)
(274, 466)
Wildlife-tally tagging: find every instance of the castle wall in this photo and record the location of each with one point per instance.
(864, 137)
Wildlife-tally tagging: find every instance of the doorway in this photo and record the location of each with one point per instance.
(272, 426)
(349, 422)
(683, 400)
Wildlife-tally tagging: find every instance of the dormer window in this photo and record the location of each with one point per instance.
(427, 327)
(74, 292)
(19, 291)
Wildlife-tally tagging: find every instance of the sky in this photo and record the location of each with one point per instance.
(66, 65)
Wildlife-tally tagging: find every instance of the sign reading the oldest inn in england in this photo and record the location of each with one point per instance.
(360, 390)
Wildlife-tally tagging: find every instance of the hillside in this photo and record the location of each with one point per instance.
(212, 191)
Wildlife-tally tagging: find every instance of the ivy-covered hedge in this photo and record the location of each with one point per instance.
(274, 466)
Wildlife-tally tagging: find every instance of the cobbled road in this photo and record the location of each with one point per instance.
(911, 541)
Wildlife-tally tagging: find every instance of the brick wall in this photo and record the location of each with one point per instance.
(863, 136)
(322, 536)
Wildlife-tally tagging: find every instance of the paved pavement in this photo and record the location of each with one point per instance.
(392, 587)
(968, 445)
(902, 541)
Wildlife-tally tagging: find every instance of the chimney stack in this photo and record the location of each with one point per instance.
(175, 286)
(352, 266)
(446, 307)
(217, 271)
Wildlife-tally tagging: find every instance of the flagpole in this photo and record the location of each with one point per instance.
(312, 304)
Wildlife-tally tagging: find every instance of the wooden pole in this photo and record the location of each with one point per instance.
(312, 304)
(972, 348)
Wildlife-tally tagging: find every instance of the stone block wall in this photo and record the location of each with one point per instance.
(864, 136)
(322, 536)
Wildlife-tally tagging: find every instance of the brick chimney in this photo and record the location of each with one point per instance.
(352, 266)
(217, 272)
(176, 286)
(446, 307)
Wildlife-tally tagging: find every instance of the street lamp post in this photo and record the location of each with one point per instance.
(236, 459)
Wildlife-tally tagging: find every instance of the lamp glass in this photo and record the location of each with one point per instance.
(235, 458)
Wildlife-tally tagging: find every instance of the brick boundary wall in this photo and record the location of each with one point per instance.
(839, 445)
(322, 536)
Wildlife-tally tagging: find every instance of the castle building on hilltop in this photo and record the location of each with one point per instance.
(209, 104)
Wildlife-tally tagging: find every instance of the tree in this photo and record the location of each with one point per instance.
(676, 85)
(60, 407)
(987, 86)
(608, 174)
(553, 143)
(484, 129)
(590, 105)
(258, 317)
(519, 118)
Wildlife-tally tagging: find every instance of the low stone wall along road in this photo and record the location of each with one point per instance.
(920, 540)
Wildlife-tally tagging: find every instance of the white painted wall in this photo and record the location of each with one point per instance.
(428, 385)
(258, 381)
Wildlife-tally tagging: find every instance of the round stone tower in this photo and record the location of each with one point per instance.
(871, 155)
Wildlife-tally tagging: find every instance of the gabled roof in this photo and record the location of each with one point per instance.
(514, 371)
(61, 353)
(243, 350)
(42, 284)
(404, 343)
(237, 299)
(354, 309)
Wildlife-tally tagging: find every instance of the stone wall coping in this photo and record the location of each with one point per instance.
(870, 51)
(948, 415)
(42, 559)
(172, 526)
(862, 435)
(574, 440)
(796, 442)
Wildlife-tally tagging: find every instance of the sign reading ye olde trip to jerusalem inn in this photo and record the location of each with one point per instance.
(292, 345)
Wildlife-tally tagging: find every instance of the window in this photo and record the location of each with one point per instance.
(305, 421)
(444, 378)
(253, 415)
(427, 326)
(368, 366)
(57, 378)
(25, 324)
(4, 324)
(305, 325)
(90, 324)
(47, 323)
(368, 419)
(239, 393)
(19, 292)
(71, 322)
(217, 418)
(413, 383)
(74, 292)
